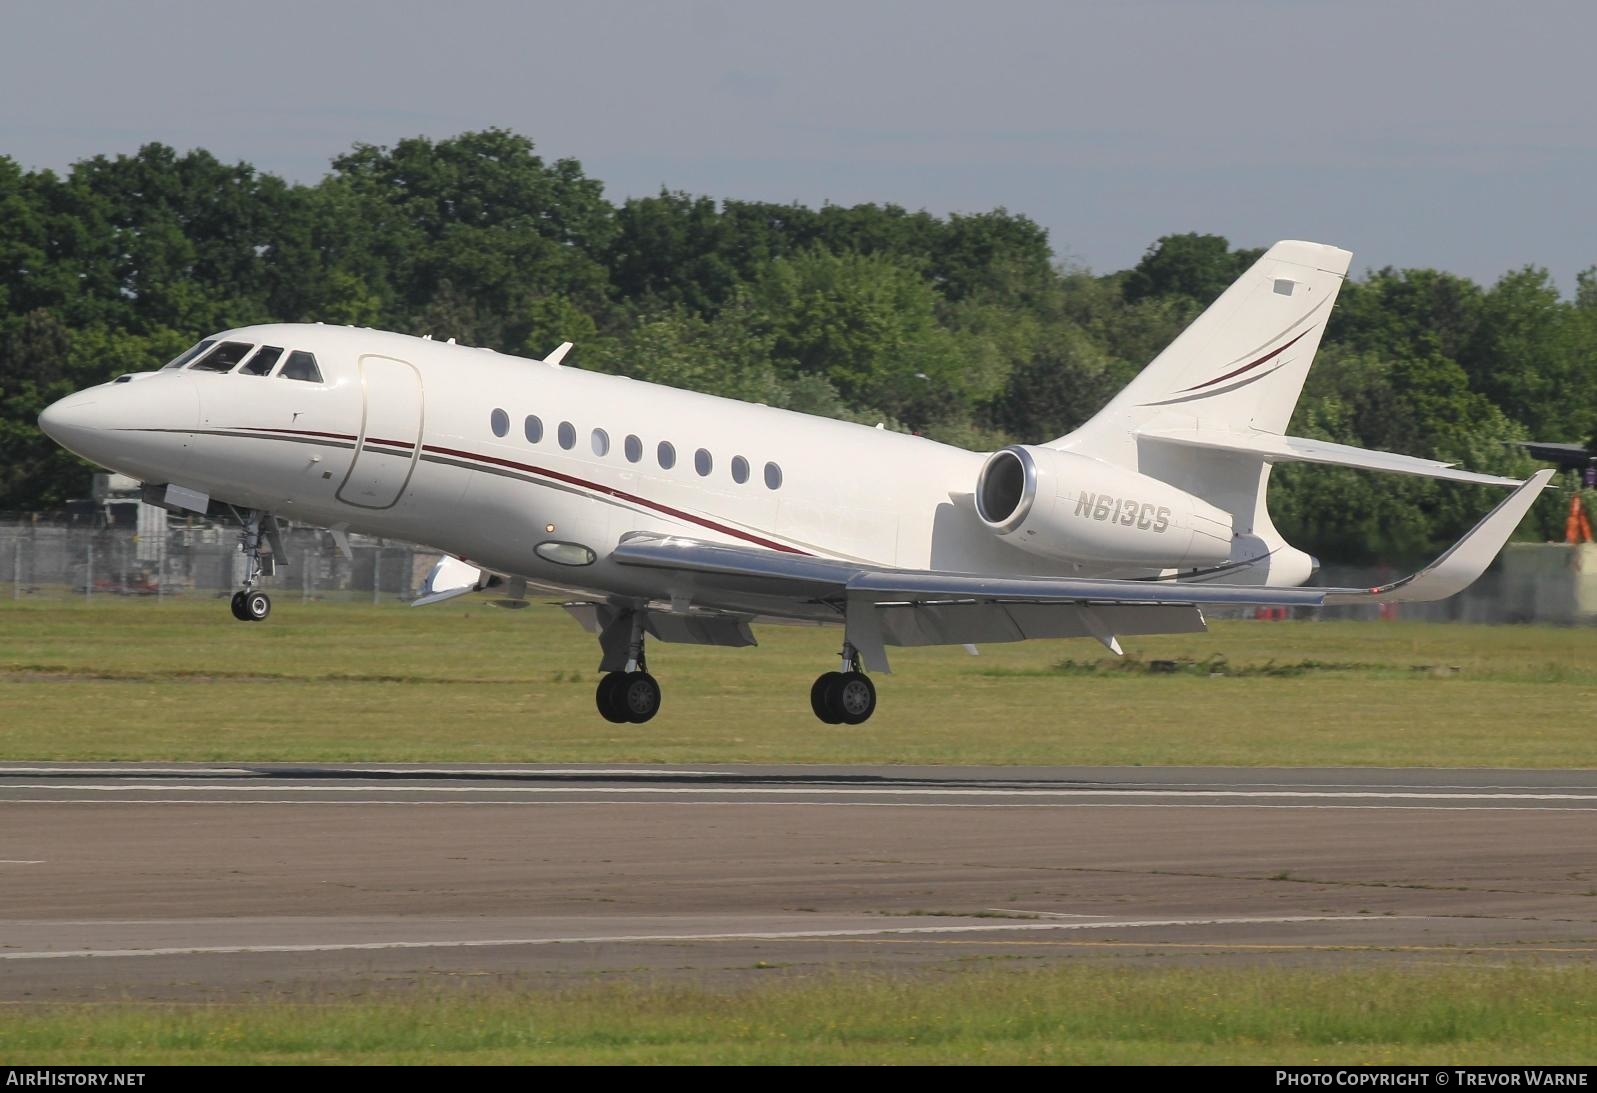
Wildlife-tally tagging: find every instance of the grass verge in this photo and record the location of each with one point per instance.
(1072, 1014)
(181, 680)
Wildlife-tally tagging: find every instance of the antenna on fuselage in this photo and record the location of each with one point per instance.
(558, 354)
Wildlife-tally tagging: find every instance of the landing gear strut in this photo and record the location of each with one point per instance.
(847, 697)
(632, 694)
(250, 604)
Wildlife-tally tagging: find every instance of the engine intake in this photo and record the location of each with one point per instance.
(1075, 508)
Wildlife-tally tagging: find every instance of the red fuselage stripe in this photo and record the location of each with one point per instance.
(608, 491)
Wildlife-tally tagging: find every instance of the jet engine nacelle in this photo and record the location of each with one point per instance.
(1072, 507)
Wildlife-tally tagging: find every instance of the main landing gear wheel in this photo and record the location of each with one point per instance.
(844, 698)
(851, 698)
(628, 696)
(605, 697)
(818, 697)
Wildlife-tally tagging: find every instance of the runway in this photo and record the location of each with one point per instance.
(192, 882)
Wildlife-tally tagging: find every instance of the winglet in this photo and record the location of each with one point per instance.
(558, 354)
(1464, 561)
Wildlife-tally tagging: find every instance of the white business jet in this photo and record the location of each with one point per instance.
(685, 517)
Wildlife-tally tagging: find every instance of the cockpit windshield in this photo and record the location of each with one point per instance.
(301, 366)
(261, 363)
(224, 358)
(188, 354)
(244, 359)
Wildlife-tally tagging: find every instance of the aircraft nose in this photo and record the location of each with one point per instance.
(68, 421)
(128, 427)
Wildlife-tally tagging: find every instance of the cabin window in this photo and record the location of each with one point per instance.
(533, 428)
(666, 454)
(702, 462)
(568, 435)
(633, 447)
(773, 476)
(302, 366)
(224, 358)
(499, 422)
(740, 469)
(262, 362)
(601, 442)
(189, 354)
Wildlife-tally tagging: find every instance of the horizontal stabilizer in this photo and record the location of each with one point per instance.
(1274, 448)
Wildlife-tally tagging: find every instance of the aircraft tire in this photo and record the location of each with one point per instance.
(257, 605)
(607, 696)
(851, 698)
(639, 697)
(238, 607)
(818, 701)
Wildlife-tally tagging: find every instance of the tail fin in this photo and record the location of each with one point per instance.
(1241, 365)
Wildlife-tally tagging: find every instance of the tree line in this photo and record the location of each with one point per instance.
(963, 328)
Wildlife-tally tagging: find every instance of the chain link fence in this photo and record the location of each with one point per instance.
(157, 556)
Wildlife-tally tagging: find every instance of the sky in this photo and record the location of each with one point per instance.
(1454, 135)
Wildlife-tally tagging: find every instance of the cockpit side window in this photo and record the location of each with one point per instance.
(188, 354)
(301, 366)
(263, 360)
(224, 358)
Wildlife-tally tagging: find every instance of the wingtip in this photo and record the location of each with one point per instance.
(1462, 563)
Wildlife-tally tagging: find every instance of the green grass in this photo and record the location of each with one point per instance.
(1070, 1014)
(181, 680)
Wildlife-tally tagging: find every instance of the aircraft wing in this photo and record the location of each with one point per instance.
(928, 607)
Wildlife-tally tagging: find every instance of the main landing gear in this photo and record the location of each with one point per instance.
(628, 693)
(251, 604)
(631, 694)
(847, 697)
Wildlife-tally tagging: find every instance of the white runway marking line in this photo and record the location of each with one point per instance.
(23, 861)
(785, 935)
(612, 803)
(805, 791)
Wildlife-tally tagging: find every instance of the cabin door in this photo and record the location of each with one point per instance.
(390, 434)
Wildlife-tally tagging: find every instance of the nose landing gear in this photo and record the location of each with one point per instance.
(847, 697)
(251, 604)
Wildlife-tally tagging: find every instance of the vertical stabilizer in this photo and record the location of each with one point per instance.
(1241, 365)
(1236, 372)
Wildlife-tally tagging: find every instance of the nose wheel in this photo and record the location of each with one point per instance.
(251, 606)
(844, 698)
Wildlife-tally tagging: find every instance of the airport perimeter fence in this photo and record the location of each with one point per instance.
(196, 558)
(157, 555)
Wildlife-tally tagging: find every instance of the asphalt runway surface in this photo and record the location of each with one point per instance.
(187, 882)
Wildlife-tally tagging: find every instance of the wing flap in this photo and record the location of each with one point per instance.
(973, 622)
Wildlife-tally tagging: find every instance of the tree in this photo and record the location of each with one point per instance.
(1198, 267)
(1528, 355)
